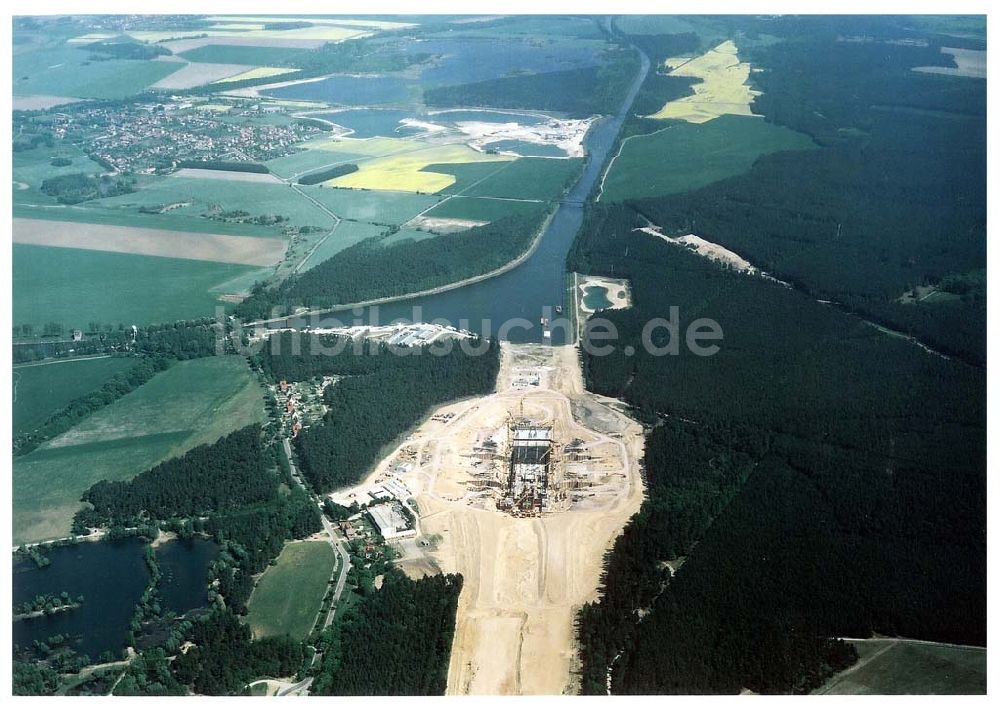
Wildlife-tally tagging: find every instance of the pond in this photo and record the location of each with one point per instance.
(371, 122)
(595, 298)
(184, 565)
(111, 577)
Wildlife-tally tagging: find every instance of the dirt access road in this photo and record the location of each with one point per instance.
(525, 578)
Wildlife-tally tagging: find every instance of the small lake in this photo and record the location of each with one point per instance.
(111, 576)
(596, 297)
(368, 123)
(184, 565)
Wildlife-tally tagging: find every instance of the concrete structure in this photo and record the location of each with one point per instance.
(529, 462)
(390, 522)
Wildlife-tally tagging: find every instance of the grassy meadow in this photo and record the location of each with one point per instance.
(686, 156)
(41, 390)
(375, 206)
(902, 667)
(66, 71)
(244, 54)
(194, 402)
(257, 198)
(483, 209)
(76, 286)
(289, 594)
(347, 234)
(529, 179)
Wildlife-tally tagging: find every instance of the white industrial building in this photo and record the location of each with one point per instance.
(390, 522)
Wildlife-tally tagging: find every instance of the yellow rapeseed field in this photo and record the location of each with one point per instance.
(403, 171)
(723, 89)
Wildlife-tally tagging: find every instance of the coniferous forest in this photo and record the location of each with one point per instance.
(383, 394)
(370, 269)
(397, 642)
(816, 478)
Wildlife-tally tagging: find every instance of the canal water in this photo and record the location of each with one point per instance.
(527, 292)
(111, 577)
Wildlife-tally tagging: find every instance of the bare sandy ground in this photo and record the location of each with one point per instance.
(253, 251)
(235, 175)
(704, 248)
(971, 63)
(525, 578)
(443, 225)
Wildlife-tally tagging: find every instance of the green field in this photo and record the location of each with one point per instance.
(347, 234)
(404, 235)
(251, 56)
(180, 220)
(466, 174)
(75, 286)
(41, 390)
(480, 208)
(288, 596)
(379, 207)
(900, 667)
(306, 161)
(66, 71)
(528, 179)
(194, 402)
(31, 167)
(686, 156)
(257, 198)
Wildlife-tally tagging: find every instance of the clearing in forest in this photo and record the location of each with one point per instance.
(193, 402)
(289, 594)
(724, 87)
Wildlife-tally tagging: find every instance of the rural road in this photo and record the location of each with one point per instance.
(335, 543)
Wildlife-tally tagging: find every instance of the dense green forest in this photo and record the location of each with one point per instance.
(369, 270)
(253, 536)
(125, 50)
(224, 659)
(397, 641)
(382, 395)
(895, 199)
(827, 498)
(182, 340)
(578, 93)
(232, 472)
(333, 57)
(78, 187)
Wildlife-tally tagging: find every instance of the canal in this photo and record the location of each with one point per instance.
(527, 292)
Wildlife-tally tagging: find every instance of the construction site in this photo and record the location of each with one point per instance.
(522, 492)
